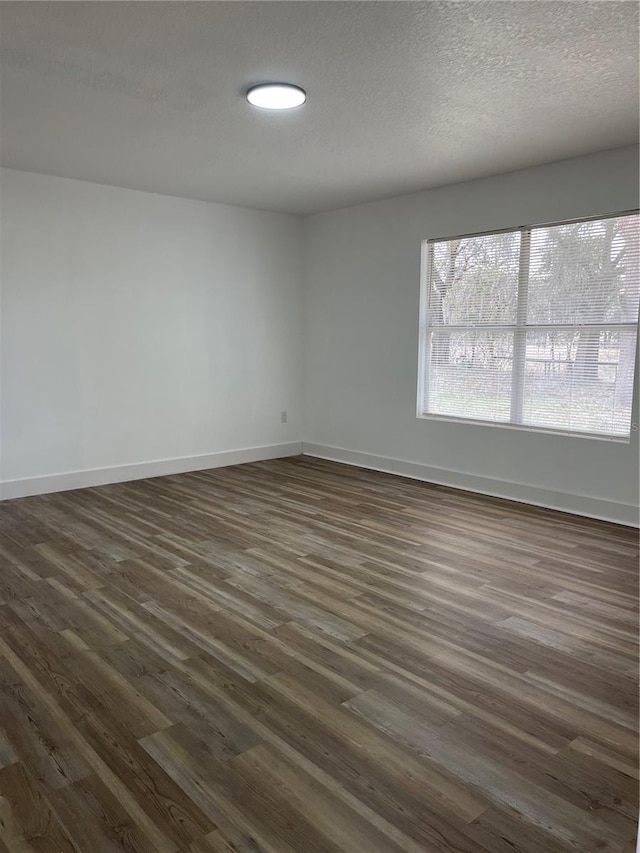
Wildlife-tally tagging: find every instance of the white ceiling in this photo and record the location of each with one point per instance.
(402, 95)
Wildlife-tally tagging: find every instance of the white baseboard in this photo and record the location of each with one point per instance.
(142, 470)
(604, 510)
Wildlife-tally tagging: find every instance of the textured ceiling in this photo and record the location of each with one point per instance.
(402, 95)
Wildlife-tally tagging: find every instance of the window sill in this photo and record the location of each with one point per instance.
(619, 439)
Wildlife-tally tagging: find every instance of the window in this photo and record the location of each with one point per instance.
(534, 327)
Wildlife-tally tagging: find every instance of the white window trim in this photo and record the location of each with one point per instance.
(519, 330)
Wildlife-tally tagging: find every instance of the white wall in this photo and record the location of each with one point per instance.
(143, 334)
(362, 296)
(139, 327)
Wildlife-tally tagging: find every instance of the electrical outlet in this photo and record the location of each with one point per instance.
(283, 417)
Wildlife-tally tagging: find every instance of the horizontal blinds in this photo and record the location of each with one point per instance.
(571, 304)
(471, 374)
(584, 273)
(475, 280)
(593, 397)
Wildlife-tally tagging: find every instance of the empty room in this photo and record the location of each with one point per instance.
(319, 424)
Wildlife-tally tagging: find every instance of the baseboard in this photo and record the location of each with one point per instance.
(142, 470)
(603, 510)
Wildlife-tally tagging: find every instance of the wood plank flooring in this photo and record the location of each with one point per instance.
(296, 656)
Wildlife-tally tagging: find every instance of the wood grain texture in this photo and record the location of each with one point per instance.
(297, 656)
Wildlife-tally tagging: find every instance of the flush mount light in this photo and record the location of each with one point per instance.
(276, 96)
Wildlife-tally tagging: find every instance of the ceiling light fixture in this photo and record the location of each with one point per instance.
(276, 96)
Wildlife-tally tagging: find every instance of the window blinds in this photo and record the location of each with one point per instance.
(534, 327)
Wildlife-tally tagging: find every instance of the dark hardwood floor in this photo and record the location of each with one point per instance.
(297, 656)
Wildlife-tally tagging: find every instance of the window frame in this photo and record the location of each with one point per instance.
(519, 330)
